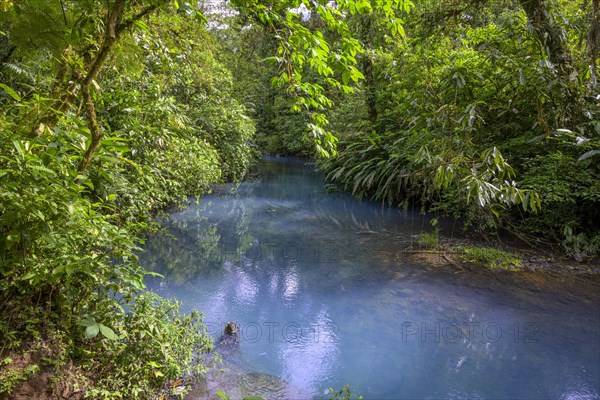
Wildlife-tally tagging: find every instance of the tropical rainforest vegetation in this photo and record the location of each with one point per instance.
(487, 111)
(114, 110)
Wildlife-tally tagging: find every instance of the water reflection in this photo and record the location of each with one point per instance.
(310, 354)
(291, 285)
(246, 289)
(324, 296)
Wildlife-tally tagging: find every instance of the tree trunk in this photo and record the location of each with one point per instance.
(550, 35)
(95, 130)
(110, 37)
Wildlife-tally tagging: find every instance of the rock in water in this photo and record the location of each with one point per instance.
(229, 342)
(235, 378)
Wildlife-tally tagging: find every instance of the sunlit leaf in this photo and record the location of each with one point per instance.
(222, 395)
(10, 92)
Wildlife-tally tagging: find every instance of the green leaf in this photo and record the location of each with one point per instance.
(87, 321)
(108, 332)
(91, 331)
(272, 60)
(89, 184)
(41, 168)
(10, 92)
(153, 364)
(222, 395)
(150, 273)
(588, 154)
(69, 269)
(536, 138)
(28, 276)
(562, 131)
(141, 25)
(200, 17)
(18, 148)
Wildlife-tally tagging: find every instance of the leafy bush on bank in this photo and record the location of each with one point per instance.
(480, 121)
(71, 291)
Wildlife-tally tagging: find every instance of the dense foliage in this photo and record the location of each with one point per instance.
(70, 216)
(112, 111)
(477, 115)
(485, 111)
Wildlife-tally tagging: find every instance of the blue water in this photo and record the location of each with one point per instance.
(324, 295)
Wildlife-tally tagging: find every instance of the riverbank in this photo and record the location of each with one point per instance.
(451, 250)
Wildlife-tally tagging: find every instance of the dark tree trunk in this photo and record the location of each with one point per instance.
(371, 92)
(548, 33)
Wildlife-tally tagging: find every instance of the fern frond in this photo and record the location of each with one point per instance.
(18, 70)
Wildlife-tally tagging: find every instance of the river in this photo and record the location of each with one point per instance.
(324, 295)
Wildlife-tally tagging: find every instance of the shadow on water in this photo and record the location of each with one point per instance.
(324, 296)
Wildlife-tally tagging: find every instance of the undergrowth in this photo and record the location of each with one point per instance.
(490, 257)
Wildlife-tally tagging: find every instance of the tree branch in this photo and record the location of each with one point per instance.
(62, 8)
(110, 39)
(127, 24)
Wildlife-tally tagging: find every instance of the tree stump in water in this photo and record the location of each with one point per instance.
(229, 340)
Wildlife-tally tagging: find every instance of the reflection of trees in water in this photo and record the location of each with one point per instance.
(183, 251)
(196, 246)
(279, 183)
(205, 238)
(344, 212)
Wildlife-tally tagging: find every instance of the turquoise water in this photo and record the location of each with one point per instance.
(324, 295)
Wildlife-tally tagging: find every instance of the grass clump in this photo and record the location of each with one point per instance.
(490, 257)
(429, 240)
